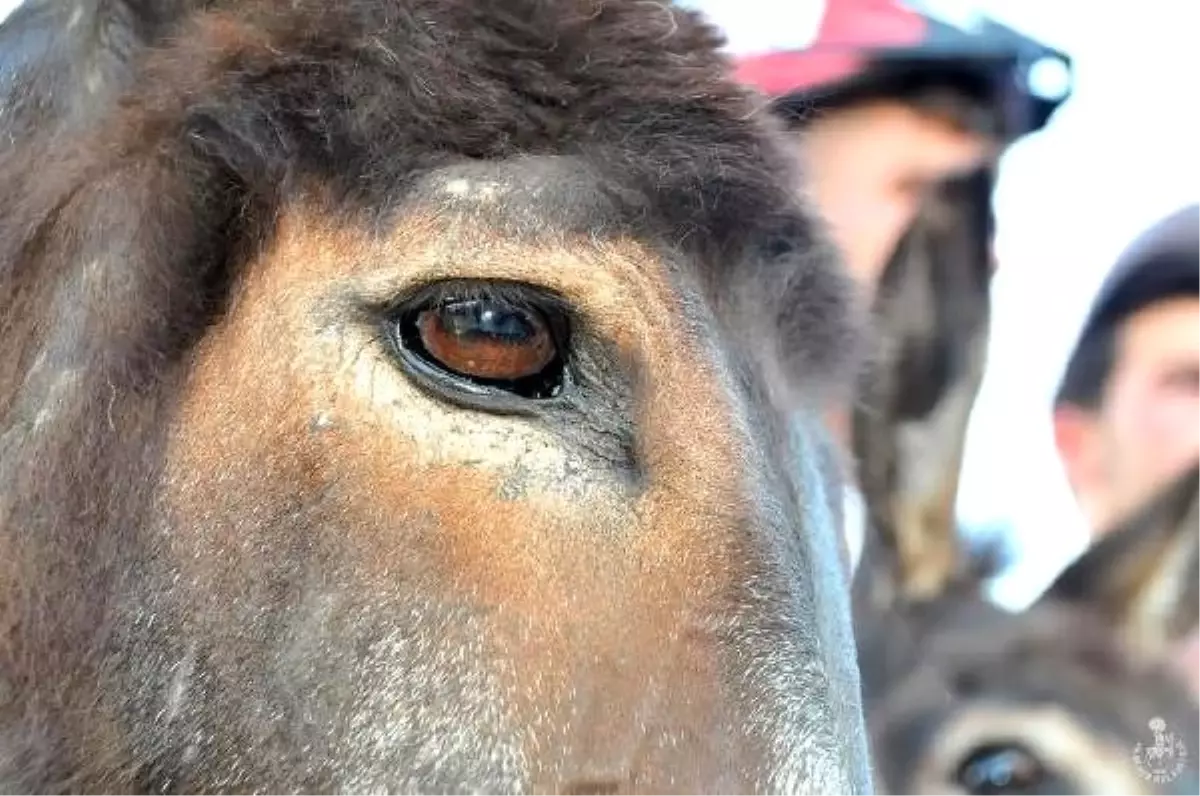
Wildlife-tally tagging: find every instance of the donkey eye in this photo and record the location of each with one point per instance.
(996, 768)
(485, 345)
(487, 340)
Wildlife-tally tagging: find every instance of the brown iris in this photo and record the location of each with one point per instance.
(487, 340)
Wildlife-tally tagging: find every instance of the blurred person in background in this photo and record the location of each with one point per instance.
(882, 103)
(1127, 412)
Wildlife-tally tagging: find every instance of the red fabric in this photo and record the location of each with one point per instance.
(869, 23)
(849, 30)
(782, 73)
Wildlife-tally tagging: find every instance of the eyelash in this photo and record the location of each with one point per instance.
(514, 293)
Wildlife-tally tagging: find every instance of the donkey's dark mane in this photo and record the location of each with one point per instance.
(119, 244)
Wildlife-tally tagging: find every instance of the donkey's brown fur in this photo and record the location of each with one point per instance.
(960, 695)
(252, 539)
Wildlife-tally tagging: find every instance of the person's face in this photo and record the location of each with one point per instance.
(1147, 428)
(868, 168)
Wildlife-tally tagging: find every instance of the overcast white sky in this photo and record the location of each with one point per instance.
(1120, 154)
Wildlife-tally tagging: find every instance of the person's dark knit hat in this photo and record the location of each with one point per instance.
(1162, 262)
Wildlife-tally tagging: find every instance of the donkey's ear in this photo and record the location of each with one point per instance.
(910, 421)
(1144, 575)
(64, 61)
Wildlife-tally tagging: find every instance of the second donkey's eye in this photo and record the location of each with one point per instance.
(1001, 768)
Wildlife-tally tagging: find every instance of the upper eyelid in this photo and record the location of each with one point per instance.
(554, 309)
(517, 294)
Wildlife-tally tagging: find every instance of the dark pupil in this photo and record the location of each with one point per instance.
(482, 319)
(999, 771)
